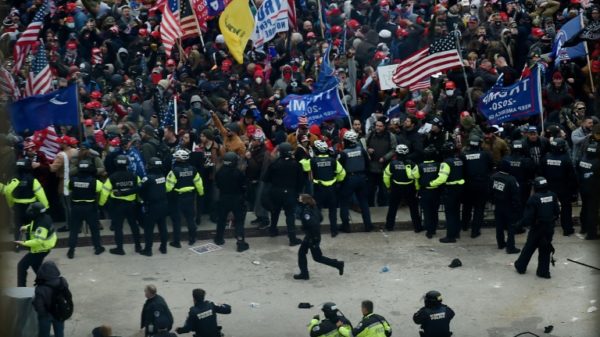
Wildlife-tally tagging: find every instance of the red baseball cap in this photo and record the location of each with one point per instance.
(450, 85)
(88, 122)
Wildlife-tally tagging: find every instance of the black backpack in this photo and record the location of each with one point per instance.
(61, 306)
(163, 152)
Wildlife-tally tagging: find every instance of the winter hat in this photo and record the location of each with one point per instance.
(209, 134)
(467, 122)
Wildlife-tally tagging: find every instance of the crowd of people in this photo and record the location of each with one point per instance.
(226, 148)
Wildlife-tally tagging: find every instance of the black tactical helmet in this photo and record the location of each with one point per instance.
(504, 166)
(558, 145)
(35, 209)
(475, 141)
(433, 298)
(23, 165)
(121, 161)
(85, 166)
(429, 152)
(448, 148)
(230, 159)
(540, 184)
(285, 149)
(155, 163)
(517, 146)
(329, 309)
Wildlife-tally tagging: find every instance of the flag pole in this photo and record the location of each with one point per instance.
(321, 18)
(539, 95)
(175, 120)
(459, 49)
(587, 56)
(197, 25)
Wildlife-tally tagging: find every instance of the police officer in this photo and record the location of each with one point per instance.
(327, 327)
(286, 181)
(588, 174)
(121, 189)
(425, 173)
(451, 176)
(522, 167)
(478, 168)
(326, 172)
(202, 318)
(541, 212)
(505, 195)
(184, 180)
(397, 177)
(558, 169)
(41, 238)
(311, 225)
(434, 317)
(355, 161)
(21, 192)
(371, 325)
(232, 188)
(155, 312)
(153, 194)
(85, 189)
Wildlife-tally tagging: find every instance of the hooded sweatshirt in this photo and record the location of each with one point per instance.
(47, 280)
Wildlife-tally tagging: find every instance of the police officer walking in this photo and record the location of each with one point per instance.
(311, 225)
(327, 327)
(326, 172)
(355, 161)
(558, 169)
(505, 195)
(434, 317)
(153, 193)
(478, 168)
(541, 212)
(371, 325)
(588, 173)
(184, 180)
(286, 181)
(41, 238)
(397, 177)
(451, 175)
(202, 318)
(425, 173)
(85, 189)
(21, 192)
(121, 189)
(232, 187)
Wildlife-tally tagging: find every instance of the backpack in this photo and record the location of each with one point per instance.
(163, 152)
(61, 306)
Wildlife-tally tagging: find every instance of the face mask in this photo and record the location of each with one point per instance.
(277, 96)
(449, 92)
(258, 80)
(196, 105)
(70, 25)
(112, 149)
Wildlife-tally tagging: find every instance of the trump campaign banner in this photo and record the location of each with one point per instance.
(317, 107)
(271, 18)
(522, 99)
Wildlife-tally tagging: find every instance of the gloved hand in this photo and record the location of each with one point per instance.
(317, 317)
(179, 330)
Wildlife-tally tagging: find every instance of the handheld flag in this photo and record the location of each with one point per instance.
(237, 24)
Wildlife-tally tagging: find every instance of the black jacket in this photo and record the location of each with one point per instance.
(435, 322)
(156, 312)
(48, 278)
(202, 319)
(311, 222)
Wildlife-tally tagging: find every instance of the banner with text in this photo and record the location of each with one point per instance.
(271, 18)
(317, 107)
(522, 99)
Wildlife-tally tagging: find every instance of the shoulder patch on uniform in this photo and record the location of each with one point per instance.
(316, 328)
(306, 216)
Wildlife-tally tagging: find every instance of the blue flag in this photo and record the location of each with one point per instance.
(215, 7)
(317, 107)
(37, 112)
(567, 32)
(326, 78)
(522, 99)
(568, 53)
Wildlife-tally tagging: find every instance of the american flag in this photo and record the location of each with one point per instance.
(292, 14)
(29, 37)
(39, 80)
(440, 56)
(47, 139)
(188, 21)
(8, 85)
(170, 28)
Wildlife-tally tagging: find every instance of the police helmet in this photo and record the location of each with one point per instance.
(155, 163)
(23, 165)
(351, 136)
(402, 149)
(448, 148)
(85, 166)
(285, 149)
(321, 146)
(433, 298)
(540, 184)
(517, 146)
(475, 140)
(437, 122)
(230, 159)
(35, 209)
(181, 155)
(592, 149)
(504, 166)
(329, 309)
(121, 161)
(558, 145)
(429, 152)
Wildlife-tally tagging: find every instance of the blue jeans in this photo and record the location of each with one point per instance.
(44, 323)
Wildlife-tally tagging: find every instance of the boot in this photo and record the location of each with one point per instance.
(242, 246)
(219, 241)
(295, 242)
(340, 267)
(146, 252)
(301, 276)
(175, 244)
(163, 248)
(138, 248)
(512, 250)
(99, 250)
(117, 251)
(71, 253)
(447, 240)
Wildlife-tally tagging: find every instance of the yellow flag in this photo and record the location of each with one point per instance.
(237, 24)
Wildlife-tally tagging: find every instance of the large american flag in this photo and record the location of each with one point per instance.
(442, 55)
(188, 21)
(39, 80)
(29, 37)
(170, 26)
